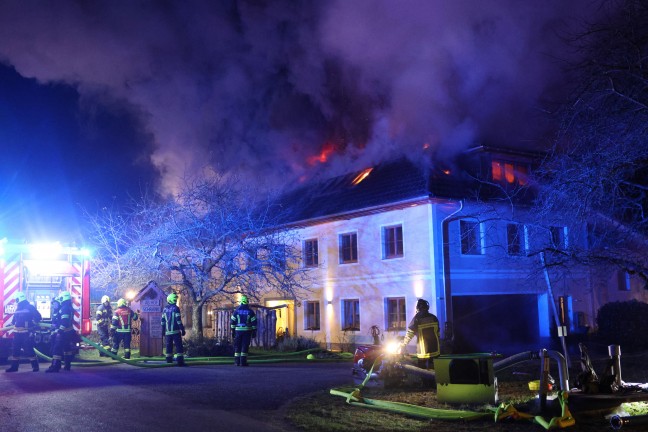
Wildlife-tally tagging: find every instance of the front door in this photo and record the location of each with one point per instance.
(285, 311)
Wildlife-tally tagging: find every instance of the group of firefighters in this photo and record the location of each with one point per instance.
(117, 325)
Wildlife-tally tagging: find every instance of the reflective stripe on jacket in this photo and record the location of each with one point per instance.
(104, 315)
(171, 320)
(426, 328)
(122, 319)
(243, 319)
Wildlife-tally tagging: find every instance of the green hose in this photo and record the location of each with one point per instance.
(504, 411)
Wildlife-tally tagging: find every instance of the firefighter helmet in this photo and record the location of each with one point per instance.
(244, 299)
(105, 299)
(65, 296)
(20, 297)
(172, 298)
(422, 305)
(121, 302)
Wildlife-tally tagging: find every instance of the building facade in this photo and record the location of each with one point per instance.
(378, 240)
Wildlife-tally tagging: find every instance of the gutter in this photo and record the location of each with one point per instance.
(448, 333)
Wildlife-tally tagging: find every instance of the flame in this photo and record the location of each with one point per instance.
(327, 150)
(446, 171)
(426, 146)
(363, 175)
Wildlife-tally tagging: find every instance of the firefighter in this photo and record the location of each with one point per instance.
(121, 327)
(104, 317)
(243, 325)
(63, 334)
(173, 330)
(426, 328)
(25, 320)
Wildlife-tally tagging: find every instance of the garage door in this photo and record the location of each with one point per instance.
(507, 324)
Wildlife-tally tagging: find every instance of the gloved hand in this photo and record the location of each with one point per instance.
(183, 332)
(233, 334)
(254, 335)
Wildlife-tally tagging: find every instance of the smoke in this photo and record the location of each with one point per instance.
(259, 88)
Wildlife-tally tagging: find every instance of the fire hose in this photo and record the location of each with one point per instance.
(157, 362)
(502, 412)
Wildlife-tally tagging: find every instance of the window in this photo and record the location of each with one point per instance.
(470, 238)
(348, 248)
(515, 239)
(311, 253)
(558, 237)
(392, 242)
(351, 315)
(312, 315)
(269, 257)
(396, 319)
(509, 172)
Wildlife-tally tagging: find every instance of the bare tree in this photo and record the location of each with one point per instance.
(115, 268)
(211, 241)
(597, 174)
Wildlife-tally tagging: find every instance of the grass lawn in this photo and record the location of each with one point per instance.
(322, 411)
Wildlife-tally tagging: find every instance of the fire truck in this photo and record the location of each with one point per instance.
(42, 272)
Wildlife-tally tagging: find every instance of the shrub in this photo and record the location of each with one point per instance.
(624, 324)
(294, 344)
(210, 347)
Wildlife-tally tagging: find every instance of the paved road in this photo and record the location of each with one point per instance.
(127, 398)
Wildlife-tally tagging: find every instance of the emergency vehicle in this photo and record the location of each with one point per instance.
(42, 272)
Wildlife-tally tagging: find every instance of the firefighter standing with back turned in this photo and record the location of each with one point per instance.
(104, 317)
(426, 328)
(173, 330)
(243, 325)
(25, 319)
(121, 327)
(63, 335)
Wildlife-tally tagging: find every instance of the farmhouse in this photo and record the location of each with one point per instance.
(459, 236)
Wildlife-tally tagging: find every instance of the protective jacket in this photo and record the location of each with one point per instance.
(243, 319)
(171, 320)
(65, 321)
(122, 319)
(426, 328)
(26, 317)
(104, 315)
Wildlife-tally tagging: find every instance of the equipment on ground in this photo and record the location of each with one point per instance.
(386, 365)
(43, 272)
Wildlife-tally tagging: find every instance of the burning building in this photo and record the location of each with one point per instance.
(378, 239)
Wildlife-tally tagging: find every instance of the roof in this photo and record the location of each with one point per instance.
(386, 184)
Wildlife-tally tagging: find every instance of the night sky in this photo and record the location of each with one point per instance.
(100, 100)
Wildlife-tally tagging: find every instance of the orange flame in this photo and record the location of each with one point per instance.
(327, 150)
(363, 175)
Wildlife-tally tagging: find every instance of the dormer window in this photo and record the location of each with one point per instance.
(509, 172)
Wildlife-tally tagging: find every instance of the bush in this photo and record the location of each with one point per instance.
(624, 324)
(210, 347)
(294, 344)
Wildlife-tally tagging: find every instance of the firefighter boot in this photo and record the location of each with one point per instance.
(244, 360)
(13, 367)
(55, 367)
(169, 360)
(34, 365)
(67, 363)
(181, 361)
(237, 360)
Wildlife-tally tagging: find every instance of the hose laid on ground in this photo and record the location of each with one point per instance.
(504, 411)
(353, 397)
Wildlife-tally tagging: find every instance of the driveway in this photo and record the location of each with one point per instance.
(196, 398)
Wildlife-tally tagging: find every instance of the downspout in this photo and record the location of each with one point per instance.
(448, 332)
